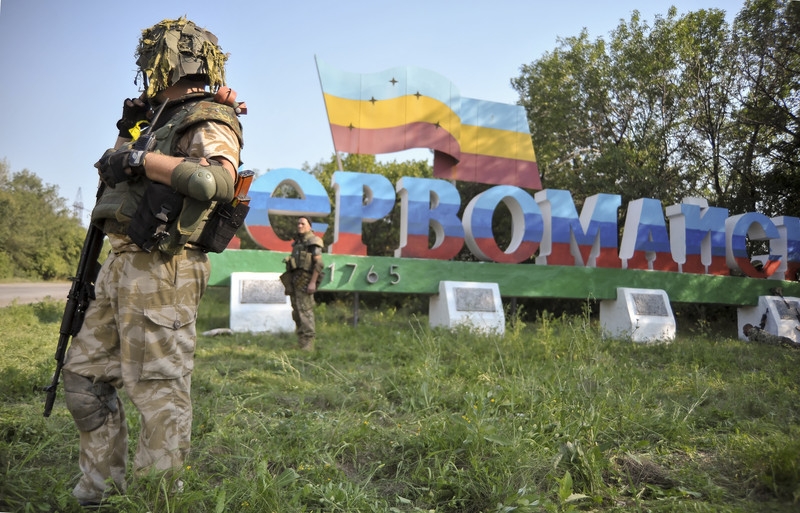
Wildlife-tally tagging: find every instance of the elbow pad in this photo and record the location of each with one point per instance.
(205, 183)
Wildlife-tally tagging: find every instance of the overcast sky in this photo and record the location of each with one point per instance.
(66, 65)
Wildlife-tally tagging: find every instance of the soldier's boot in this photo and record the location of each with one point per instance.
(306, 344)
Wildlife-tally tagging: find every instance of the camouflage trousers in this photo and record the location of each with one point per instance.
(139, 335)
(303, 311)
(764, 337)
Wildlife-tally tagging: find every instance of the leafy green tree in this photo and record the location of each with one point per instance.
(39, 236)
(689, 106)
(612, 116)
(563, 93)
(767, 155)
(707, 81)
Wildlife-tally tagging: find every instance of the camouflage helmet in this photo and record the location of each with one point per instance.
(173, 49)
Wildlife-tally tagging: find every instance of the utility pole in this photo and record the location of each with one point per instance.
(77, 207)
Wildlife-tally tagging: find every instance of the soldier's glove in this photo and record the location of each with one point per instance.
(117, 166)
(134, 110)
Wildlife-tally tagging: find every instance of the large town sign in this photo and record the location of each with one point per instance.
(692, 256)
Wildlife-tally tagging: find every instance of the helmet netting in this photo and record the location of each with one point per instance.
(173, 49)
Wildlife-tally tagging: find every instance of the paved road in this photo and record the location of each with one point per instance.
(24, 293)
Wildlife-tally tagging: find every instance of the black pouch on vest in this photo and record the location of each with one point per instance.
(159, 208)
(223, 223)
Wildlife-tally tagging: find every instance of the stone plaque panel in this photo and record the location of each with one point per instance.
(263, 292)
(474, 300)
(787, 311)
(650, 304)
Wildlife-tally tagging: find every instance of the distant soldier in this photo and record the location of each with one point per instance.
(303, 274)
(756, 334)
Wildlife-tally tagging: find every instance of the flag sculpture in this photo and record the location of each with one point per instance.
(406, 107)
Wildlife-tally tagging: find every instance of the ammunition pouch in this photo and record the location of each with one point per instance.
(187, 227)
(159, 208)
(88, 402)
(286, 280)
(221, 226)
(301, 279)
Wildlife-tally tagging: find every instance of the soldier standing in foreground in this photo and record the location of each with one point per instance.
(304, 272)
(139, 332)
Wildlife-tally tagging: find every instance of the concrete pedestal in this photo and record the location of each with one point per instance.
(259, 304)
(643, 315)
(472, 304)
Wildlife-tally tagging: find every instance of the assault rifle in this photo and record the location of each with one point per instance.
(81, 293)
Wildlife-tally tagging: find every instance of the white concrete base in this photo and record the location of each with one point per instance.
(643, 315)
(472, 304)
(781, 316)
(259, 304)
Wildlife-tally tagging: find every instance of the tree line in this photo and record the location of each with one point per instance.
(686, 106)
(40, 239)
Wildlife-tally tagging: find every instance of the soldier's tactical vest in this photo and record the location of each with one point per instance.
(302, 256)
(120, 203)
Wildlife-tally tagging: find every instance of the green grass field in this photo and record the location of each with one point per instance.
(391, 416)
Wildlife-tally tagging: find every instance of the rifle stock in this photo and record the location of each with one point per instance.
(81, 293)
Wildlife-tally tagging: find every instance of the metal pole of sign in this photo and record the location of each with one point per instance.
(513, 311)
(355, 309)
